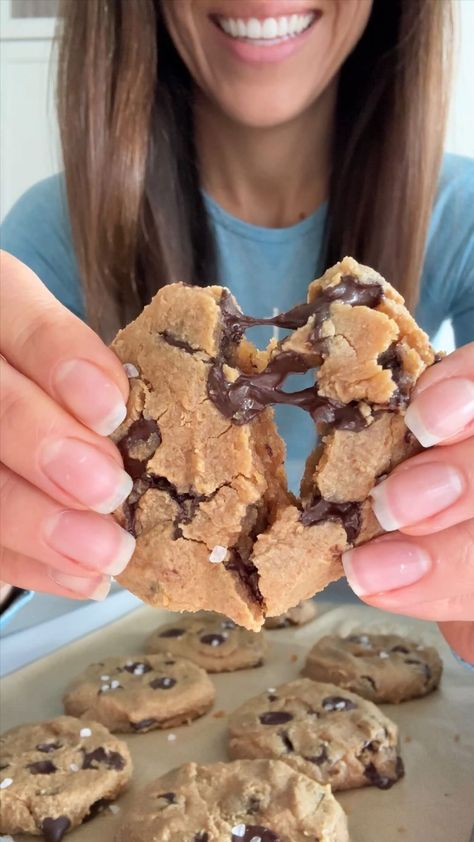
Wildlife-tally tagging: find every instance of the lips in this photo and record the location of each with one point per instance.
(268, 29)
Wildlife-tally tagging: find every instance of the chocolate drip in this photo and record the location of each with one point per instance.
(242, 399)
(143, 431)
(350, 290)
(187, 502)
(349, 514)
(170, 339)
(390, 359)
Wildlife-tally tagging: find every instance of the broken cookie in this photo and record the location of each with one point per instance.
(216, 527)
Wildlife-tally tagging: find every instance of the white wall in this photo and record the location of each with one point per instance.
(28, 131)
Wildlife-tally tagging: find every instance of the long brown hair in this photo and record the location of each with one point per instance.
(125, 103)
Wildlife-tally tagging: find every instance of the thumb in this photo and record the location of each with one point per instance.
(460, 637)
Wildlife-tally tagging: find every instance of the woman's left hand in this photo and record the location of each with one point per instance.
(424, 567)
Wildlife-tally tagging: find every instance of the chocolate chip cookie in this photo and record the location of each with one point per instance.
(212, 641)
(333, 736)
(298, 616)
(244, 801)
(55, 775)
(379, 667)
(215, 525)
(141, 693)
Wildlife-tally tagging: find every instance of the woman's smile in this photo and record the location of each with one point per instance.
(262, 37)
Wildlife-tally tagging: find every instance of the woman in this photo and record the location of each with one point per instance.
(247, 142)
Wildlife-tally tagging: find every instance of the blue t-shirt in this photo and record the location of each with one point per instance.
(269, 268)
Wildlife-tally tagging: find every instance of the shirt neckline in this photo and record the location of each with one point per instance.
(257, 232)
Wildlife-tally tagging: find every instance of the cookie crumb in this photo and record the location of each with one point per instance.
(293, 658)
(219, 714)
(85, 732)
(105, 677)
(407, 739)
(131, 370)
(171, 737)
(402, 829)
(114, 808)
(218, 554)
(6, 783)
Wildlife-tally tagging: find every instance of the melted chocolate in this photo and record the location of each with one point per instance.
(143, 725)
(247, 573)
(169, 797)
(383, 781)
(320, 758)
(187, 502)
(54, 829)
(164, 683)
(275, 717)
(201, 837)
(349, 514)
(48, 747)
(146, 431)
(338, 703)
(287, 742)
(97, 807)
(172, 633)
(390, 359)
(42, 767)
(249, 832)
(170, 339)
(111, 759)
(402, 649)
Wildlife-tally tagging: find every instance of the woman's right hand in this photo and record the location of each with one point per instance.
(62, 392)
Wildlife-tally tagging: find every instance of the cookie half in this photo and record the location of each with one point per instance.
(211, 641)
(244, 801)
(55, 775)
(334, 737)
(302, 614)
(379, 667)
(141, 693)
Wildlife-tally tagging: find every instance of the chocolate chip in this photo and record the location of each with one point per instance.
(54, 829)
(48, 747)
(349, 515)
(392, 361)
(168, 797)
(253, 805)
(320, 758)
(142, 668)
(42, 767)
(170, 339)
(275, 717)
(169, 663)
(272, 698)
(337, 703)
(213, 639)
(111, 759)
(164, 683)
(96, 808)
(172, 633)
(412, 661)
(371, 745)
(402, 649)
(144, 431)
(201, 837)
(251, 832)
(246, 571)
(383, 781)
(143, 725)
(286, 741)
(370, 680)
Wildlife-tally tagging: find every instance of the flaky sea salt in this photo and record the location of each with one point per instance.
(131, 370)
(105, 688)
(85, 732)
(171, 738)
(73, 767)
(114, 808)
(383, 654)
(218, 554)
(104, 677)
(114, 684)
(139, 669)
(239, 830)
(6, 783)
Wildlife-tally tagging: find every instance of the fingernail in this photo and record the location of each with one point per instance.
(96, 588)
(441, 411)
(87, 474)
(384, 566)
(90, 395)
(91, 540)
(416, 493)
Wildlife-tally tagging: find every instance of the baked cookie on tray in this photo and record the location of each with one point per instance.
(55, 775)
(333, 736)
(379, 667)
(210, 640)
(216, 527)
(141, 693)
(244, 801)
(300, 615)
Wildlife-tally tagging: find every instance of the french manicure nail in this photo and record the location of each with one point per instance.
(96, 588)
(412, 495)
(385, 566)
(94, 541)
(93, 478)
(90, 395)
(441, 411)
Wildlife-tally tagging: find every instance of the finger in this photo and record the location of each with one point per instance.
(460, 637)
(51, 346)
(428, 493)
(78, 543)
(428, 576)
(32, 575)
(45, 445)
(442, 410)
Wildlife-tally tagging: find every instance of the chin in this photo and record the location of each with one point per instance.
(266, 110)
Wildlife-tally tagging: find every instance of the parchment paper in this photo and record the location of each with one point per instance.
(433, 803)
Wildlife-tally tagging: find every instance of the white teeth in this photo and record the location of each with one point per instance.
(268, 29)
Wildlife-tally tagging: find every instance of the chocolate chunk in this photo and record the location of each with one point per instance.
(48, 747)
(143, 725)
(275, 717)
(349, 514)
(272, 698)
(54, 829)
(251, 832)
(169, 663)
(96, 808)
(168, 797)
(187, 502)
(383, 781)
(111, 759)
(349, 290)
(164, 683)
(391, 360)
(201, 837)
(370, 681)
(42, 767)
(142, 668)
(286, 741)
(4, 766)
(213, 639)
(320, 758)
(172, 633)
(331, 703)
(402, 649)
(178, 343)
(144, 431)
